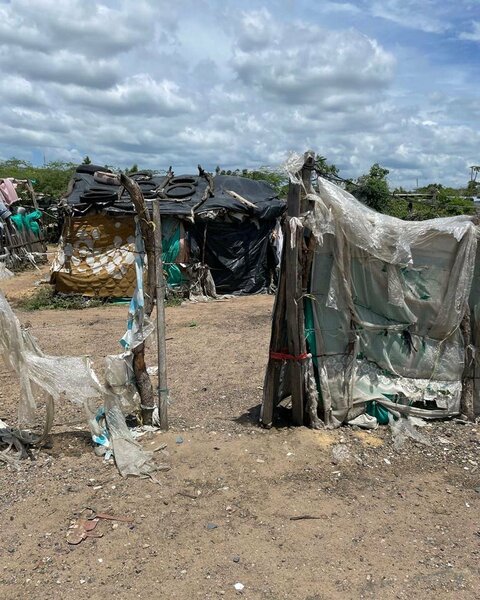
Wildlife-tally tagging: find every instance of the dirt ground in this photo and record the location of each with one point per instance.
(387, 524)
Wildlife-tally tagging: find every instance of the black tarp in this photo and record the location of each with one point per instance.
(239, 255)
(88, 194)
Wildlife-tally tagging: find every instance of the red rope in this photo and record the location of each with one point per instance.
(284, 356)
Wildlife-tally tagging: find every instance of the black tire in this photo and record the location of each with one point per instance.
(180, 190)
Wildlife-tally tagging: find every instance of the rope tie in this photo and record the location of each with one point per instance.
(284, 356)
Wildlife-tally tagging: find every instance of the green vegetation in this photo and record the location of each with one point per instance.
(51, 179)
(372, 188)
(277, 180)
(324, 169)
(45, 298)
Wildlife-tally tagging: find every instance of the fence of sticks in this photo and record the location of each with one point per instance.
(290, 368)
(20, 248)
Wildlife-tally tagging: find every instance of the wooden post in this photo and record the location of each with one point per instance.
(160, 296)
(288, 326)
(277, 344)
(294, 302)
(466, 401)
(142, 377)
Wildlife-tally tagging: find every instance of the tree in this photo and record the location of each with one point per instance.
(51, 179)
(132, 169)
(473, 188)
(372, 188)
(323, 168)
(86, 161)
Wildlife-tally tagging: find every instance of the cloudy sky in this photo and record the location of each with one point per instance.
(243, 83)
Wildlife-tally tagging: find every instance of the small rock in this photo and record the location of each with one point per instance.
(211, 526)
(236, 559)
(179, 439)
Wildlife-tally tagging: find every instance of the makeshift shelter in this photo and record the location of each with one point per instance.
(22, 236)
(222, 225)
(373, 314)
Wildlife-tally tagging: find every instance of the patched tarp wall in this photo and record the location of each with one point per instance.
(387, 299)
(388, 311)
(96, 257)
(97, 252)
(240, 255)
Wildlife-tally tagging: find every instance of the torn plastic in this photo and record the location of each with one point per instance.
(387, 299)
(120, 380)
(403, 428)
(130, 457)
(292, 167)
(4, 272)
(55, 378)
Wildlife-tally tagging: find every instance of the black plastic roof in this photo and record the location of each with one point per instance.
(184, 194)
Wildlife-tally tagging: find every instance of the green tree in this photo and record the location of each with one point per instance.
(323, 168)
(86, 161)
(51, 179)
(372, 188)
(473, 188)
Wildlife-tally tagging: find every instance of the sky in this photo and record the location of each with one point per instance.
(241, 84)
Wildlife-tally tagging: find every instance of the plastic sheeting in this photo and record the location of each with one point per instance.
(386, 301)
(86, 193)
(57, 378)
(241, 256)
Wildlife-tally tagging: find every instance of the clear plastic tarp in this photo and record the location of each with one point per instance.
(387, 301)
(72, 378)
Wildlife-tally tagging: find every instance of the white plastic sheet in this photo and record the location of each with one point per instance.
(388, 297)
(72, 378)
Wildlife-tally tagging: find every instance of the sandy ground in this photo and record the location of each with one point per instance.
(387, 524)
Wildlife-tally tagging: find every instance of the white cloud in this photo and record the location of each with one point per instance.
(474, 35)
(155, 83)
(299, 63)
(412, 14)
(89, 27)
(136, 95)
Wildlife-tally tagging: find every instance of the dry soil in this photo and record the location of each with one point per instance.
(387, 524)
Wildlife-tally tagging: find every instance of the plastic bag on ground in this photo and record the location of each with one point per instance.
(130, 457)
(403, 429)
(4, 272)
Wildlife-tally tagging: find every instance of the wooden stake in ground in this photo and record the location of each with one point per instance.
(144, 384)
(288, 349)
(160, 296)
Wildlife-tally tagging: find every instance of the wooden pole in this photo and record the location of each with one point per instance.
(144, 384)
(288, 327)
(278, 343)
(160, 296)
(466, 401)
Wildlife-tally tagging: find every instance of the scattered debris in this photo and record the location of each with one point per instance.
(364, 421)
(404, 428)
(340, 453)
(84, 526)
